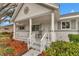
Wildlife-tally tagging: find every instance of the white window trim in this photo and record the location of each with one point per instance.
(66, 28)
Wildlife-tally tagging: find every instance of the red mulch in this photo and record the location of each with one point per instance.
(20, 47)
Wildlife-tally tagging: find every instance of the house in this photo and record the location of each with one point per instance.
(35, 23)
(39, 24)
(68, 24)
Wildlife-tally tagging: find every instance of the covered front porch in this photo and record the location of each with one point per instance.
(38, 29)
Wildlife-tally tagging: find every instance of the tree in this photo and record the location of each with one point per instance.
(7, 10)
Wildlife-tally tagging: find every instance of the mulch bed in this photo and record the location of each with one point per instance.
(19, 47)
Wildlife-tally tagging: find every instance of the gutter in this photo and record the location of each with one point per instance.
(68, 17)
(51, 5)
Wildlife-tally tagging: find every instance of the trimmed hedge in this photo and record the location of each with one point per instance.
(61, 48)
(74, 37)
(6, 34)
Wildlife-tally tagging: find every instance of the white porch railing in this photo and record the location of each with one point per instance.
(31, 40)
(43, 42)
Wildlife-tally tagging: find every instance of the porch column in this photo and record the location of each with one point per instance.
(30, 29)
(53, 37)
(14, 31)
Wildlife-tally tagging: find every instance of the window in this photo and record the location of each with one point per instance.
(21, 27)
(35, 27)
(65, 25)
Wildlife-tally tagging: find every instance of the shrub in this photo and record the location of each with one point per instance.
(9, 50)
(6, 36)
(61, 48)
(74, 37)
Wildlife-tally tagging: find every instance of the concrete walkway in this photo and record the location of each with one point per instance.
(32, 52)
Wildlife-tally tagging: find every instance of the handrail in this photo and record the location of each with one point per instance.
(43, 42)
(43, 36)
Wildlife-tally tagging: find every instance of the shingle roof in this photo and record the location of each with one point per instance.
(70, 14)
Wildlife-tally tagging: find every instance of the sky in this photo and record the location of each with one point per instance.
(66, 8)
(6, 23)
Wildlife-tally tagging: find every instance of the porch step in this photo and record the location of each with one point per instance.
(32, 52)
(37, 43)
(36, 46)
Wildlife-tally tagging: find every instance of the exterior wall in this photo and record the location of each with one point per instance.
(62, 34)
(22, 34)
(78, 24)
(72, 24)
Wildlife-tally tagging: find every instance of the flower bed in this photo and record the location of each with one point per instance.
(13, 48)
(10, 47)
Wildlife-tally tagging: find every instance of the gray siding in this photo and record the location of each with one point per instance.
(73, 24)
(63, 34)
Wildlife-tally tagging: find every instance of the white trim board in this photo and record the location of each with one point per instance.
(68, 17)
(66, 29)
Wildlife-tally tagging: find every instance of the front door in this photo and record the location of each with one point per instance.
(37, 31)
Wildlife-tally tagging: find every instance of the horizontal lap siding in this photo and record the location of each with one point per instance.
(21, 35)
(73, 24)
(63, 35)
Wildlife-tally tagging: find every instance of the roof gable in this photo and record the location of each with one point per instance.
(29, 10)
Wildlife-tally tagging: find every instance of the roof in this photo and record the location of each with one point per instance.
(69, 16)
(20, 6)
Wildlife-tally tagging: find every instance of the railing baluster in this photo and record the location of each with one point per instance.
(31, 41)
